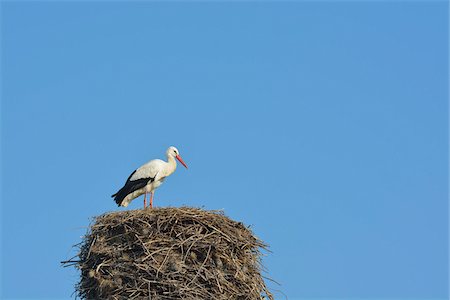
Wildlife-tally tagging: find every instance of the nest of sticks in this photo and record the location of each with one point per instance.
(169, 253)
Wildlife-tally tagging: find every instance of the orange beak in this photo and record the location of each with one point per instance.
(181, 161)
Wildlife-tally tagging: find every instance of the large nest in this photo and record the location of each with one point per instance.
(169, 253)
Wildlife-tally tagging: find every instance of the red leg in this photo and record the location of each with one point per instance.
(145, 200)
(151, 199)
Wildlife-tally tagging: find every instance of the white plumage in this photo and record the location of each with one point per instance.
(147, 178)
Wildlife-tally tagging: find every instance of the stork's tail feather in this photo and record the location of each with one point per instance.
(119, 196)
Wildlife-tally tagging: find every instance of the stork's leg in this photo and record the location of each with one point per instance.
(145, 200)
(151, 199)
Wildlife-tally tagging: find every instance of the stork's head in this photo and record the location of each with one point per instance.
(172, 151)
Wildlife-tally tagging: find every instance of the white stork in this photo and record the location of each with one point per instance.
(147, 178)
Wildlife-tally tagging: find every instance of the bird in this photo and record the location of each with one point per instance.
(147, 178)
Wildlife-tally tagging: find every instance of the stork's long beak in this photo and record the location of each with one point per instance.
(181, 161)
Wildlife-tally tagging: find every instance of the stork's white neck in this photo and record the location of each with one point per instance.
(171, 165)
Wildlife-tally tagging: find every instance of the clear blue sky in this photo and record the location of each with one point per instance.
(323, 125)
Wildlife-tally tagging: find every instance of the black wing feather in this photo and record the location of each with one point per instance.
(131, 186)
